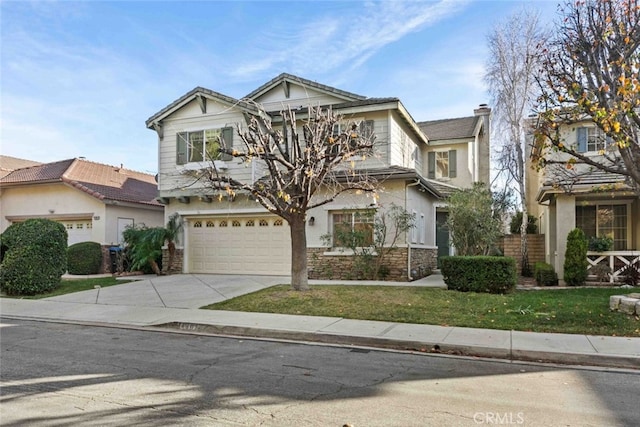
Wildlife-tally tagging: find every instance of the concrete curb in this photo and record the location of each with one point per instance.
(561, 358)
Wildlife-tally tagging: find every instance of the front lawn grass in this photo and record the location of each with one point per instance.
(68, 286)
(574, 311)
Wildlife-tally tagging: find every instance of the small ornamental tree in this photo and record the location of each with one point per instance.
(35, 258)
(590, 71)
(474, 223)
(307, 164)
(371, 254)
(575, 258)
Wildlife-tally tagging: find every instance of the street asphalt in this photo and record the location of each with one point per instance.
(153, 302)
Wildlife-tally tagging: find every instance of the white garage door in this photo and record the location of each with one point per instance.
(78, 231)
(242, 245)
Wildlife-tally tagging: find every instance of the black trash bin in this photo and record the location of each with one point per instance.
(114, 254)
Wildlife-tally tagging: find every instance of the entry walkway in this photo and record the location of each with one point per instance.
(173, 301)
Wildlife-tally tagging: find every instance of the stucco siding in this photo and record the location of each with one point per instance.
(148, 217)
(464, 162)
(54, 201)
(276, 99)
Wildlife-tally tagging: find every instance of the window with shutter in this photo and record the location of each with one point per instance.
(582, 140)
(181, 148)
(453, 164)
(431, 165)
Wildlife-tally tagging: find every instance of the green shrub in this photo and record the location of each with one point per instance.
(575, 258)
(35, 257)
(516, 222)
(84, 258)
(545, 275)
(600, 244)
(493, 275)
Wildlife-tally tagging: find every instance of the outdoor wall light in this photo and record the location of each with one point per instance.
(312, 220)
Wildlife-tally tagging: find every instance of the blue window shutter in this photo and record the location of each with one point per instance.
(582, 140)
(453, 164)
(181, 148)
(431, 165)
(227, 143)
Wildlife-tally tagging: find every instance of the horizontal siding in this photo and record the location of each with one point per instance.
(275, 100)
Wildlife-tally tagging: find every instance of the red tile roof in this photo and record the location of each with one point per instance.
(101, 181)
(8, 164)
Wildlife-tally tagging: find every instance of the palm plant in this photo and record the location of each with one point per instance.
(145, 246)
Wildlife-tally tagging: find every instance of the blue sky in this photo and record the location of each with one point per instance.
(80, 78)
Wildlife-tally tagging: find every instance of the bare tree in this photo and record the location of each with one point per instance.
(302, 170)
(591, 72)
(515, 48)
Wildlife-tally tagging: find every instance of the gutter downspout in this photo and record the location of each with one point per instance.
(406, 200)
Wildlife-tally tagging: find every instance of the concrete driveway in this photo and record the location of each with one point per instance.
(197, 290)
(175, 291)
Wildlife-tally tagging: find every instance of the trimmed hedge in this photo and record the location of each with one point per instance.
(84, 258)
(545, 274)
(35, 257)
(494, 275)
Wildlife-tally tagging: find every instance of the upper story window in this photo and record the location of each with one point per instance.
(203, 145)
(591, 139)
(442, 164)
(364, 128)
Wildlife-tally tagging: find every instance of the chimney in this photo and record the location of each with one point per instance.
(482, 110)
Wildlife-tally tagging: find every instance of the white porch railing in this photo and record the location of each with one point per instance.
(615, 260)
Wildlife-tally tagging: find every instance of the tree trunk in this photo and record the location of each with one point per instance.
(299, 274)
(171, 248)
(155, 267)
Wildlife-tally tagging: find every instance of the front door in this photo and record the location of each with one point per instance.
(442, 235)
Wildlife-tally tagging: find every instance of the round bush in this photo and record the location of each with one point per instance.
(84, 258)
(35, 257)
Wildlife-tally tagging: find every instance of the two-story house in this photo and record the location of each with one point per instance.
(224, 234)
(564, 196)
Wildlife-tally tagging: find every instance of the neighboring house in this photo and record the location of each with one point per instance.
(236, 235)
(9, 164)
(602, 204)
(458, 155)
(95, 202)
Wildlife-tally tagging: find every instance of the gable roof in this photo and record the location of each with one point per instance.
(8, 164)
(461, 127)
(101, 181)
(290, 78)
(195, 93)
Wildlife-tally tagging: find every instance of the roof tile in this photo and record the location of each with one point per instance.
(461, 127)
(98, 180)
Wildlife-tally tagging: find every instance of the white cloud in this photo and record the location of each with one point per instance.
(335, 41)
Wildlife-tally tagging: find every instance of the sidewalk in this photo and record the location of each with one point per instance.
(173, 301)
